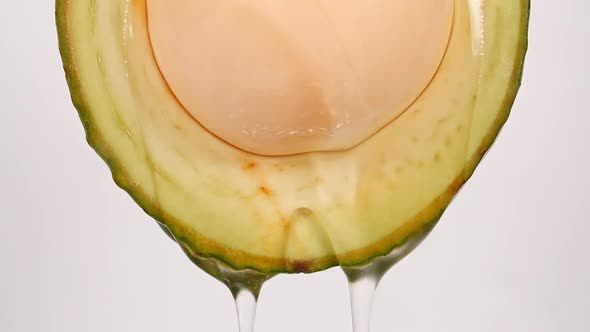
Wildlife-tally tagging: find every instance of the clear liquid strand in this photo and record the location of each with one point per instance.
(362, 292)
(364, 280)
(246, 303)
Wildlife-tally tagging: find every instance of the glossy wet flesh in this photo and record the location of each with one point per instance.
(282, 77)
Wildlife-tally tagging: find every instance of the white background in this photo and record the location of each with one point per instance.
(511, 253)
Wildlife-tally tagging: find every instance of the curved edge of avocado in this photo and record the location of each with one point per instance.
(236, 259)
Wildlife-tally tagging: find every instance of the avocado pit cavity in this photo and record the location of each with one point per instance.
(281, 77)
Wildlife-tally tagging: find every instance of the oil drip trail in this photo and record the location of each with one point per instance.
(244, 285)
(246, 303)
(363, 280)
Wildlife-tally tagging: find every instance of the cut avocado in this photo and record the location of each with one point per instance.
(314, 204)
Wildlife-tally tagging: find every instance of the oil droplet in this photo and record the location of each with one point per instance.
(363, 280)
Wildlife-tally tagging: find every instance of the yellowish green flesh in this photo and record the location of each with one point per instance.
(298, 213)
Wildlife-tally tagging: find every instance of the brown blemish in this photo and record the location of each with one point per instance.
(303, 212)
(300, 267)
(437, 157)
(265, 190)
(250, 165)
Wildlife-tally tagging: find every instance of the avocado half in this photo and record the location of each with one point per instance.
(297, 213)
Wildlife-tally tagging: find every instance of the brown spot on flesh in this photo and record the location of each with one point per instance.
(250, 165)
(265, 190)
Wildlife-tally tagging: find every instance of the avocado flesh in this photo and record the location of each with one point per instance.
(299, 213)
